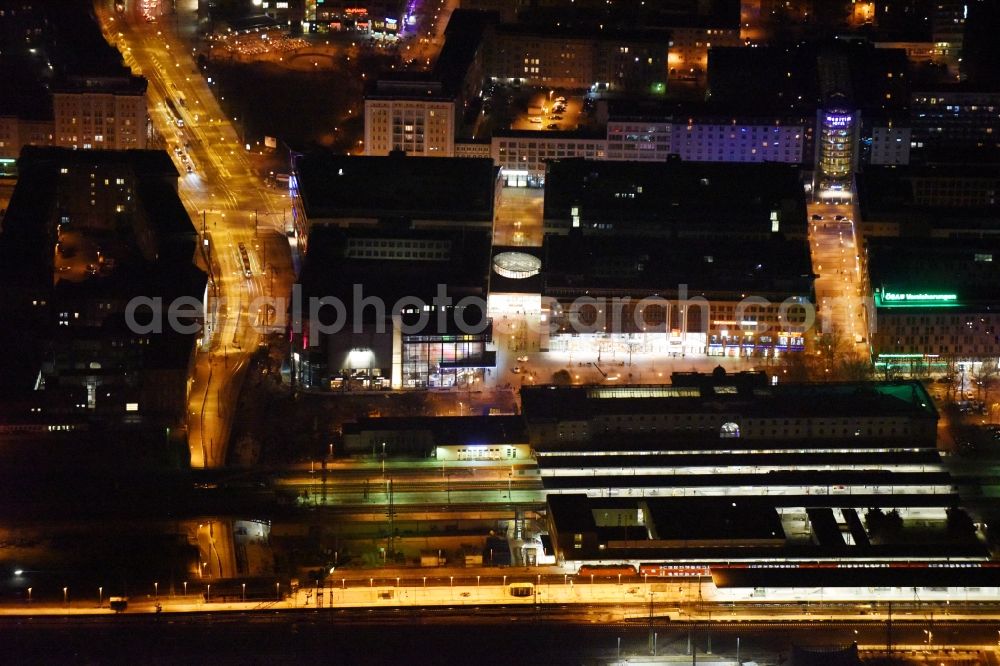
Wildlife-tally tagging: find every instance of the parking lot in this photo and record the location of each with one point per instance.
(549, 110)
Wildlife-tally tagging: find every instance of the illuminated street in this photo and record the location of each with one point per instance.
(232, 206)
(841, 283)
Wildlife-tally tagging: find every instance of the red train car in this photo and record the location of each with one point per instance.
(608, 570)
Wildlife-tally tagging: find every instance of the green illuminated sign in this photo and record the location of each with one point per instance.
(892, 299)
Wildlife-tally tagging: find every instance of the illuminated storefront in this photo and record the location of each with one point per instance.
(432, 361)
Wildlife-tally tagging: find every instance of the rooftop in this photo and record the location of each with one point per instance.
(463, 38)
(396, 187)
(550, 135)
(449, 430)
(957, 272)
(802, 76)
(694, 195)
(418, 261)
(738, 266)
(829, 400)
(408, 85)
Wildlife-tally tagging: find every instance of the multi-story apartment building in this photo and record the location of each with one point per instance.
(86, 233)
(738, 142)
(101, 113)
(888, 145)
(578, 59)
(416, 117)
(703, 134)
(15, 133)
(957, 122)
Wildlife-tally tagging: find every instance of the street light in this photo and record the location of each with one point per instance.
(100, 597)
(156, 591)
(208, 592)
(185, 588)
(66, 595)
(244, 586)
(277, 591)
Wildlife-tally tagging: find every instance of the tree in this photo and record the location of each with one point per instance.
(562, 378)
(794, 367)
(960, 526)
(985, 377)
(855, 370)
(883, 527)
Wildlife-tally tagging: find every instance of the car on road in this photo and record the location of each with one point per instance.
(556, 117)
(516, 369)
(92, 269)
(522, 359)
(535, 120)
(839, 218)
(552, 126)
(817, 217)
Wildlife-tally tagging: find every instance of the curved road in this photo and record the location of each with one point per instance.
(231, 205)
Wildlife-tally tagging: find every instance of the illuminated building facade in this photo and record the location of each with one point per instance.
(935, 298)
(393, 331)
(416, 117)
(836, 148)
(89, 118)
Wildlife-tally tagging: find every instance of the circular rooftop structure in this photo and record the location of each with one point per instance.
(516, 265)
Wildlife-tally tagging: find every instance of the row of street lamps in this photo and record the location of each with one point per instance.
(156, 591)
